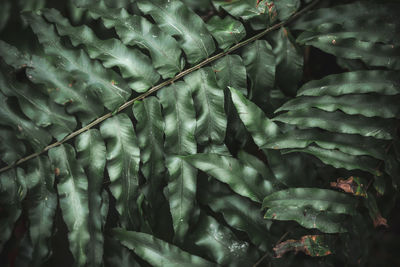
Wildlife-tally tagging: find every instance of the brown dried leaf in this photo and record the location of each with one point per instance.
(312, 245)
(352, 185)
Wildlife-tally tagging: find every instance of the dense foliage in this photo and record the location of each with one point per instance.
(197, 133)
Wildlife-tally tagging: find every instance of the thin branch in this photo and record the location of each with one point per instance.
(161, 85)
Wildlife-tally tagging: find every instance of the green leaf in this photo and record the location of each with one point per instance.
(221, 245)
(355, 145)
(360, 15)
(289, 61)
(260, 127)
(263, 129)
(92, 156)
(5, 14)
(180, 125)
(135, 30)
(286, 8)
(373, 54)
(11, 149)
(260, 13)
(110, 87)
(123, 157)
(60, 85)
(353, 31)
(325, 221)
(209, 103)
(366, 105)
(226, 31)
(12, 192)
(339, 159)
(260, 66)
(243, 179)
(150, 131)
(357, 82)
(133, 64)
(339, 122)
(364, 29)
(174, 18)
(256, 163)
(318, 199)
(36, 106)
(118, 255)
(158, 252)
(23, 128)
(42, 208)
(239, 213)
(231, 71)
(72, 191)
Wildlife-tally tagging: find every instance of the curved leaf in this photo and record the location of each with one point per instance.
(260, 13)
(23, 128)
(239, 213)
(325, 221)
(150, 131)
(366, 105)
(373, 54)
(110, 87)
(180, 125)
(209, 103)
(42, 208)
(174, 18)
(226, 31)
(123, 157)
(135, 30)
(221, 245)
(61, 86)
(357, 82)
(11, 149)
(37, 107)
(260, 127)
(92, 156)
(72, 190)
(134, 65)
(339, 122)
(231, 71)
(288, 60)
(260, 66)
(243, 179)
(352, 144)
(158, 252)
(12, 192)
(318, 199)
(339, 159)
(351, 15)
